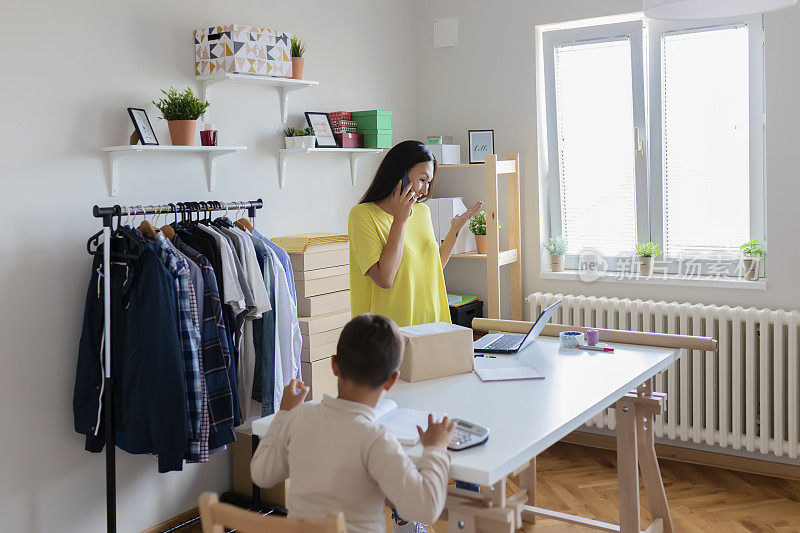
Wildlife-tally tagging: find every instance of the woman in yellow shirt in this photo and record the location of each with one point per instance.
(396, 265)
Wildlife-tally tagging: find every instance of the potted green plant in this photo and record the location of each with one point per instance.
(557, 247)
(298, 48)
(752, 253)
(646, 251)
(288, 137)
(181, 111)
(477, 225)
(309, 139)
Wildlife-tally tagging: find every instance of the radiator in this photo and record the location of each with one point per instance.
(744, 397)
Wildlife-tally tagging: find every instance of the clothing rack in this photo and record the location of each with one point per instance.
(107, 214)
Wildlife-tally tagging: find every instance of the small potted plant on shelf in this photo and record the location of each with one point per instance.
(557, 247)
(309, 139)
(298, 48)
(752, 253)
(288, 136)
(477, 225)
(300, 139)
(181, 111)
(646, 251)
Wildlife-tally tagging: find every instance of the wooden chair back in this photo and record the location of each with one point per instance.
(216, 516)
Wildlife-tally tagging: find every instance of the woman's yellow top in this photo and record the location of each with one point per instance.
(418, 294)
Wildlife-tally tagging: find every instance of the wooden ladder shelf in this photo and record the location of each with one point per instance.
(496, 258)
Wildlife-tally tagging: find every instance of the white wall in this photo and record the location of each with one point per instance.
(69, 71)
(488, 82)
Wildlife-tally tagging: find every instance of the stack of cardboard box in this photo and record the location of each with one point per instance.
(320, 262)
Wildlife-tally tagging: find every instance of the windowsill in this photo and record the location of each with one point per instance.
(659, 279)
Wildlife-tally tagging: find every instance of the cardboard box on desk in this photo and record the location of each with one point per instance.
(435, 351)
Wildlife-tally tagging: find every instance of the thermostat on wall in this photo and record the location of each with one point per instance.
(445, 32)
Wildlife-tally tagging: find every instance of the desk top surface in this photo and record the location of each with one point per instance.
(527, 417)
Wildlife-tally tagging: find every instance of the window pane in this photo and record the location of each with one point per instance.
(706, 141)
(595, 140)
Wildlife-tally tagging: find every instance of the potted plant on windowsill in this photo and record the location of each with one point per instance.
(646, 251)
(752, 253)
(298, 49)
(557, 247)
(181, 111)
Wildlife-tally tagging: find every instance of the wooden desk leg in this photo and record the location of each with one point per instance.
(651, 474)
(527, 481)
(627, 466)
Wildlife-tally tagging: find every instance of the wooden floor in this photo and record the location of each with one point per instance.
(581, 480)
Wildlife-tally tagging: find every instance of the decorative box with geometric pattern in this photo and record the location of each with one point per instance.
(242, 49)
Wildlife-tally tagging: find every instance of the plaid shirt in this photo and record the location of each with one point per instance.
(190, 350)
(216, 358)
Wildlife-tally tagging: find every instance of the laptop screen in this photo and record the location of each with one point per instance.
(539, 325)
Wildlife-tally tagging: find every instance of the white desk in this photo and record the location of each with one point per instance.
(527, 417)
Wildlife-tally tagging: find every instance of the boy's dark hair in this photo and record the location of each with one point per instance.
(369, 350)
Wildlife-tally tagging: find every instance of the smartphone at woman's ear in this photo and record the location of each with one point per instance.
(404, 181)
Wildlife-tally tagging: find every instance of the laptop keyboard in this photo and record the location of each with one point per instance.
(506, 342)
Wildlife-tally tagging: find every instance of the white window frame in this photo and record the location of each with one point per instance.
(646, 93)
(656, 29)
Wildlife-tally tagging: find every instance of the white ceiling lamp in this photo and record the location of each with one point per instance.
(705, 9)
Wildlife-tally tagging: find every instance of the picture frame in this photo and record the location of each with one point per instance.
(323, 129)
(481, 143)
(141, 122)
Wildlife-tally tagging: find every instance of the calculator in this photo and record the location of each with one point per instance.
(467, 435)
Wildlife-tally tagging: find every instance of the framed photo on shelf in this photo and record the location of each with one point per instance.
(323, 129)
(142, 125)
(481, 143)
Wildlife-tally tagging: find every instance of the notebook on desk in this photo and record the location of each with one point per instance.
(402, 422)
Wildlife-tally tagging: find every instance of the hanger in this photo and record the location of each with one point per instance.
(146, 227)
(166, 229)
(224, 221)
(245, 224)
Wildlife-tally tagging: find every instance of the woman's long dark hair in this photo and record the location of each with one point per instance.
(395, 164)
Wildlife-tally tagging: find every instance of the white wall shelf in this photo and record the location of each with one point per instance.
(286, 86)
(210, 153)
(354, 153)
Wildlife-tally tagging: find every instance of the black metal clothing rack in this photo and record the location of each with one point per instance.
(107, 214)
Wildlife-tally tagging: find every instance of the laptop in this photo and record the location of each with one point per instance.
(513, 342)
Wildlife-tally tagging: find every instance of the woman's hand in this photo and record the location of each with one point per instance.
(459, 221)
(401, 203)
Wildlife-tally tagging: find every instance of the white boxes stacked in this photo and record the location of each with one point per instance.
(446, 154)
(322, 281)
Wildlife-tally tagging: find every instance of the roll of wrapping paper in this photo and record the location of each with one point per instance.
(592, 336)
(662, 340)
(572, 339)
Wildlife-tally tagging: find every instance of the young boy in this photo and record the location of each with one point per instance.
(338, 457)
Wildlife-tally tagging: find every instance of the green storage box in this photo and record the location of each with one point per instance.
(372, 120)
(377, 138)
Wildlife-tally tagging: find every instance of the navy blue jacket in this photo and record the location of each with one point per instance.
(149, 414)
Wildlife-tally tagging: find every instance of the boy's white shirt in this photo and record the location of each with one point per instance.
(341, 460)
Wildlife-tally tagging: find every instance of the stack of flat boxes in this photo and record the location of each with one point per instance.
(346, 130)
(376, 125)
(322, 282)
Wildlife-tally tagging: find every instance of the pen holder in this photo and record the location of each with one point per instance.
(572, 339)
